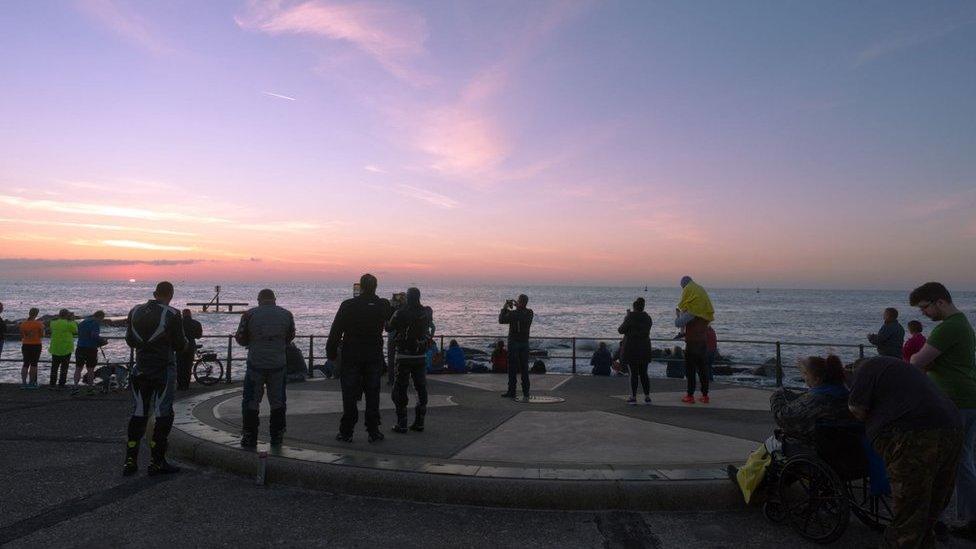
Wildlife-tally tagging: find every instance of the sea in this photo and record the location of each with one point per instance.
(806, 322)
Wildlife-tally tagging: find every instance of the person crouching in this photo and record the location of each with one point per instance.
(265, 330)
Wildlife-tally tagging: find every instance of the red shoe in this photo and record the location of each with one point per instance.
(703, 399)
(688, 399)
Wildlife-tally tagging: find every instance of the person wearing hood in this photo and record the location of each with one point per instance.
(413, 326)
(636, 353)
(456, 362)
(358, 328)
(694, 312)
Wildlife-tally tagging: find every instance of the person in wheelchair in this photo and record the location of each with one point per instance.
(797, 415)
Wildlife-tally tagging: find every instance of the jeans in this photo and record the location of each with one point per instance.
(638, 371)
(966, 471)
(59, 369)
(255, 382)
(695, 363)
(518, 363)
(405, 370)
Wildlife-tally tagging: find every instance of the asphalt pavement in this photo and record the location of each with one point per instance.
(62, 486)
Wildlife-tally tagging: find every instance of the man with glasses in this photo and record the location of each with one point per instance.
(949, 358)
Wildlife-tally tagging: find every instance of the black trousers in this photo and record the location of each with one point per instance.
(59, 369)
(184, 364)
(638, 372)
(518, 364)
(360, 374)
(696, 353)
(406, 370)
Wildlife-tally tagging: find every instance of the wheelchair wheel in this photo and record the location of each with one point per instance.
(208, 370)
(813, 499)
(873, 511)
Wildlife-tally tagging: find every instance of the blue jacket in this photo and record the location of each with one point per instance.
(89, 333)
(455, 359)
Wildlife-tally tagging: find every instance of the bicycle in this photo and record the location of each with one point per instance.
(207, 368)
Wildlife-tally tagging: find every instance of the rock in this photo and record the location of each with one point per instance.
(538, 367)
(768, 369)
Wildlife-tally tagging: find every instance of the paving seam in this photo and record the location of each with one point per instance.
(671, 423)
(42, 438)
(72, 508)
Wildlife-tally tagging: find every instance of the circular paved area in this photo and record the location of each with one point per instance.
(591, 445)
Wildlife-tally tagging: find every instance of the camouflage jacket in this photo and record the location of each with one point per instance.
(797, 414)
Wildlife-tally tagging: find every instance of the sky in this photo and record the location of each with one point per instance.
(774, 144)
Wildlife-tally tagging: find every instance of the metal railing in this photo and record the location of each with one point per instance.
(570, 353)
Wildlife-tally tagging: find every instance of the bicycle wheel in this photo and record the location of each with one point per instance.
(208, 371)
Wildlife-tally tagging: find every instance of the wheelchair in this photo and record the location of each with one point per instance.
(816, 485)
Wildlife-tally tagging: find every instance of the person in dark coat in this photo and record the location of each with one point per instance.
(184, 363)
(636, 354)
(601, 360)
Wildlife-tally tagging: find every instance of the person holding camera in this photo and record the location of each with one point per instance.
(358, 328)
(412, 324)
(636, 330)
(518, 316)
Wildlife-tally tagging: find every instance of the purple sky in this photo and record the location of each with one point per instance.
(796, 144)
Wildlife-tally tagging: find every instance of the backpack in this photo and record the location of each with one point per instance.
(415, 338)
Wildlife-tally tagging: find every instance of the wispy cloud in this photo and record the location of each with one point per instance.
(374, 169)
(279, 96)
(136, 245)
(30, 263)
(127, 185)
(125, 22)
(82, 208)
(904, 41)
(95, 226)
(392, 35)
(436, 199)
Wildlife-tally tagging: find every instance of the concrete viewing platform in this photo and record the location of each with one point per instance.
(582, 448)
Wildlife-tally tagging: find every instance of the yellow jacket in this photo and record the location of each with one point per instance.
(695, 300)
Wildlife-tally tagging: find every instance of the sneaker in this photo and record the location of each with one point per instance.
(375, 436)
(632, 401)
(703, 399)
(647, 400)
(342, 437)
(417, 426)
(400, 428)
(162, 467)
(24, 386)
(32, 386)
(688, 399)
(508, 395)
(130, 468)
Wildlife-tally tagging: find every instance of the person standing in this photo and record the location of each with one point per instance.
(412, 324)
(31, 332)
(89, 340)
(891, 336)
(949, 358)
(266, 330)
(694, 313)
(917, 431)
(914, 343)
(3, 330)
(358, 329)
(155, 332)
(63, 332)
(636, 330)
(519, 319)
(193, 331)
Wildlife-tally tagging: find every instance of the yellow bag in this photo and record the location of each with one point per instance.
(751, 474)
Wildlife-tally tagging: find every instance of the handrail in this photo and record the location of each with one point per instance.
(574, 356)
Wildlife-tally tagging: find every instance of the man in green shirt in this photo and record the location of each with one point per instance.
(63, 333)
(949, 358)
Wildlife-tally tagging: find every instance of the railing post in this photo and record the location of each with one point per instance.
(574, 356)
(779, 365)
(861, 350)
(441, 348)
(132, 358)
(230, 355)
(311, 354)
